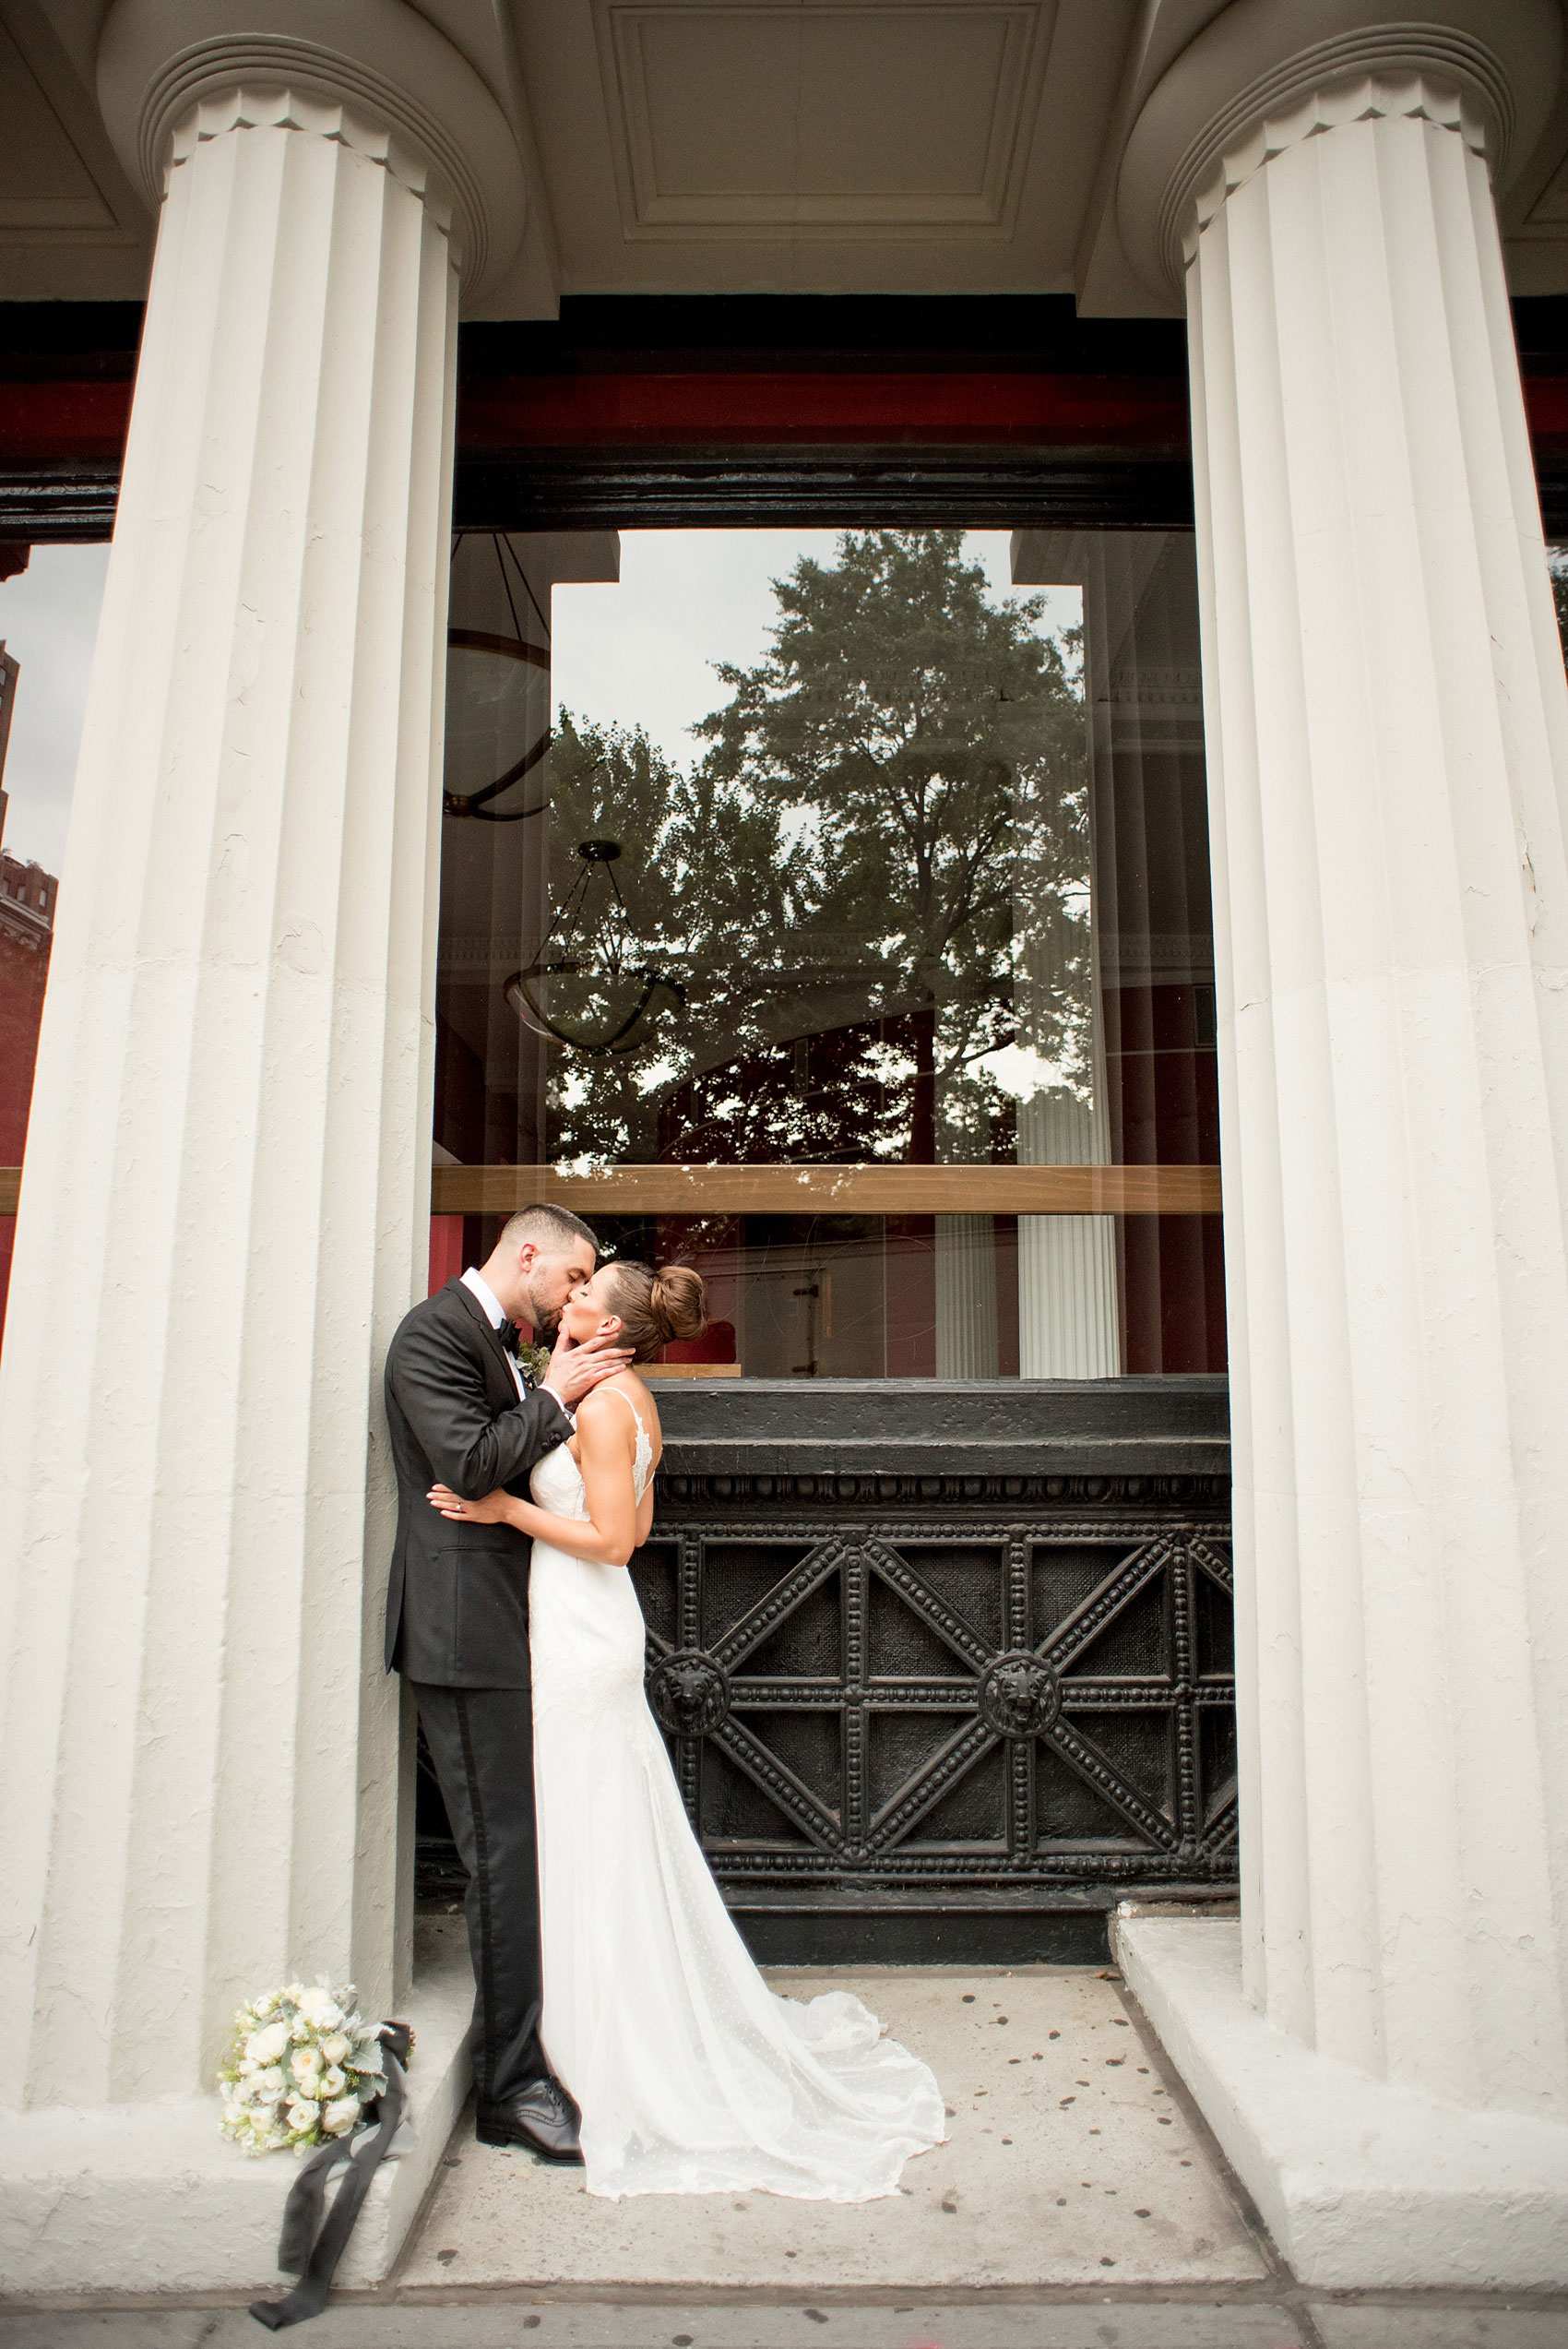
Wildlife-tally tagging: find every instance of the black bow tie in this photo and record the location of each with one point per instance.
(507, 1333)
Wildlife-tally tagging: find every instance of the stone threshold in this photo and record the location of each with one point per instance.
(1072, 2161)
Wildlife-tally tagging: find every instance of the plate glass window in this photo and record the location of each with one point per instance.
(831, 912)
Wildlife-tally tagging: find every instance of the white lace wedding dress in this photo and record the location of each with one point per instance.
(691, 2077)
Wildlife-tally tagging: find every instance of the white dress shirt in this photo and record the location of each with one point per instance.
(495, 1315)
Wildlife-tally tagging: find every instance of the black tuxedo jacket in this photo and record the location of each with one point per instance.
(458, 1595)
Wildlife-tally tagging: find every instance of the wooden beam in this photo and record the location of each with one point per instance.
(811, 1190)
(842, 1190)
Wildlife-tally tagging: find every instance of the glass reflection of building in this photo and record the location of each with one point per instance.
(915, 946)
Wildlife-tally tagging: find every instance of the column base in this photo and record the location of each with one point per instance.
(1363, 2185)
(151, 2199)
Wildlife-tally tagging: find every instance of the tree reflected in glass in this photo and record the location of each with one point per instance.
(873, 870)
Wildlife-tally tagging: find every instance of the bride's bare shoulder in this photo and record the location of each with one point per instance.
(598, 1401)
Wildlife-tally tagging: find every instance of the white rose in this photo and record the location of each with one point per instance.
(266, 2047)
(269, 2083)
(341, 2116)
(320, 2008)
(335, 2048)
(334, 2079)
(303, 2112)
(305, 2065)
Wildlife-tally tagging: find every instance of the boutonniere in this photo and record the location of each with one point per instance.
(535, 1362)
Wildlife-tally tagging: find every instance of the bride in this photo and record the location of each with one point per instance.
(691, 2077)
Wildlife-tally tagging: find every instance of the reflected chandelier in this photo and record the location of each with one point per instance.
(660, 989)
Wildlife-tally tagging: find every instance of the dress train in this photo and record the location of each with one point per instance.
(692, 2076)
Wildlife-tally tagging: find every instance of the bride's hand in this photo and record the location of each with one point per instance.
(489, 1511)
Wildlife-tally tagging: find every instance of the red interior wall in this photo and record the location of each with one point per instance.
(1164, 1111)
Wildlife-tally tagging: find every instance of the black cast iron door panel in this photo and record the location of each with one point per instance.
(996, 1699)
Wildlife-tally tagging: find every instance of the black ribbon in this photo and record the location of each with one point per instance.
(311, 2247)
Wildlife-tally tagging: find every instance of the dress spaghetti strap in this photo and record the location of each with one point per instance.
(642, 1463)
(630, 1405)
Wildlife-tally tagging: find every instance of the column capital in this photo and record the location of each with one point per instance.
(1265, 73)
(373, 74)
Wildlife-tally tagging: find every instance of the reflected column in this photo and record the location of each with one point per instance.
(491, 1059)
(1067, 1303)
(965, 1296)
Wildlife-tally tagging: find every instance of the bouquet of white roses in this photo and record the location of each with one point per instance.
(299, 2068)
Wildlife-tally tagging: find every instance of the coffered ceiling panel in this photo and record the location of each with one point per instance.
(827, 146)
(744, 118)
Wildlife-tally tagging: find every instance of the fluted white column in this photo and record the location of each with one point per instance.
(224, 1206)
(1387, 731)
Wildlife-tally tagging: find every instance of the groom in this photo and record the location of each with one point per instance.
(462, 1413)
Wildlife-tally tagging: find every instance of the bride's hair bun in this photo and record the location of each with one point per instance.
(679, 1302)
(656, 1307)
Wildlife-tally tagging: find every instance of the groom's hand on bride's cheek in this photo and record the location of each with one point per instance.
(575, 1370)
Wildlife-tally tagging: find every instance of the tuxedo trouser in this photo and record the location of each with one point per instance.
(480, 1742)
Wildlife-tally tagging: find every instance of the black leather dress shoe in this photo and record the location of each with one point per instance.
(541, 2117)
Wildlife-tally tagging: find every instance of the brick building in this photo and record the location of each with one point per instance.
(27, 930)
